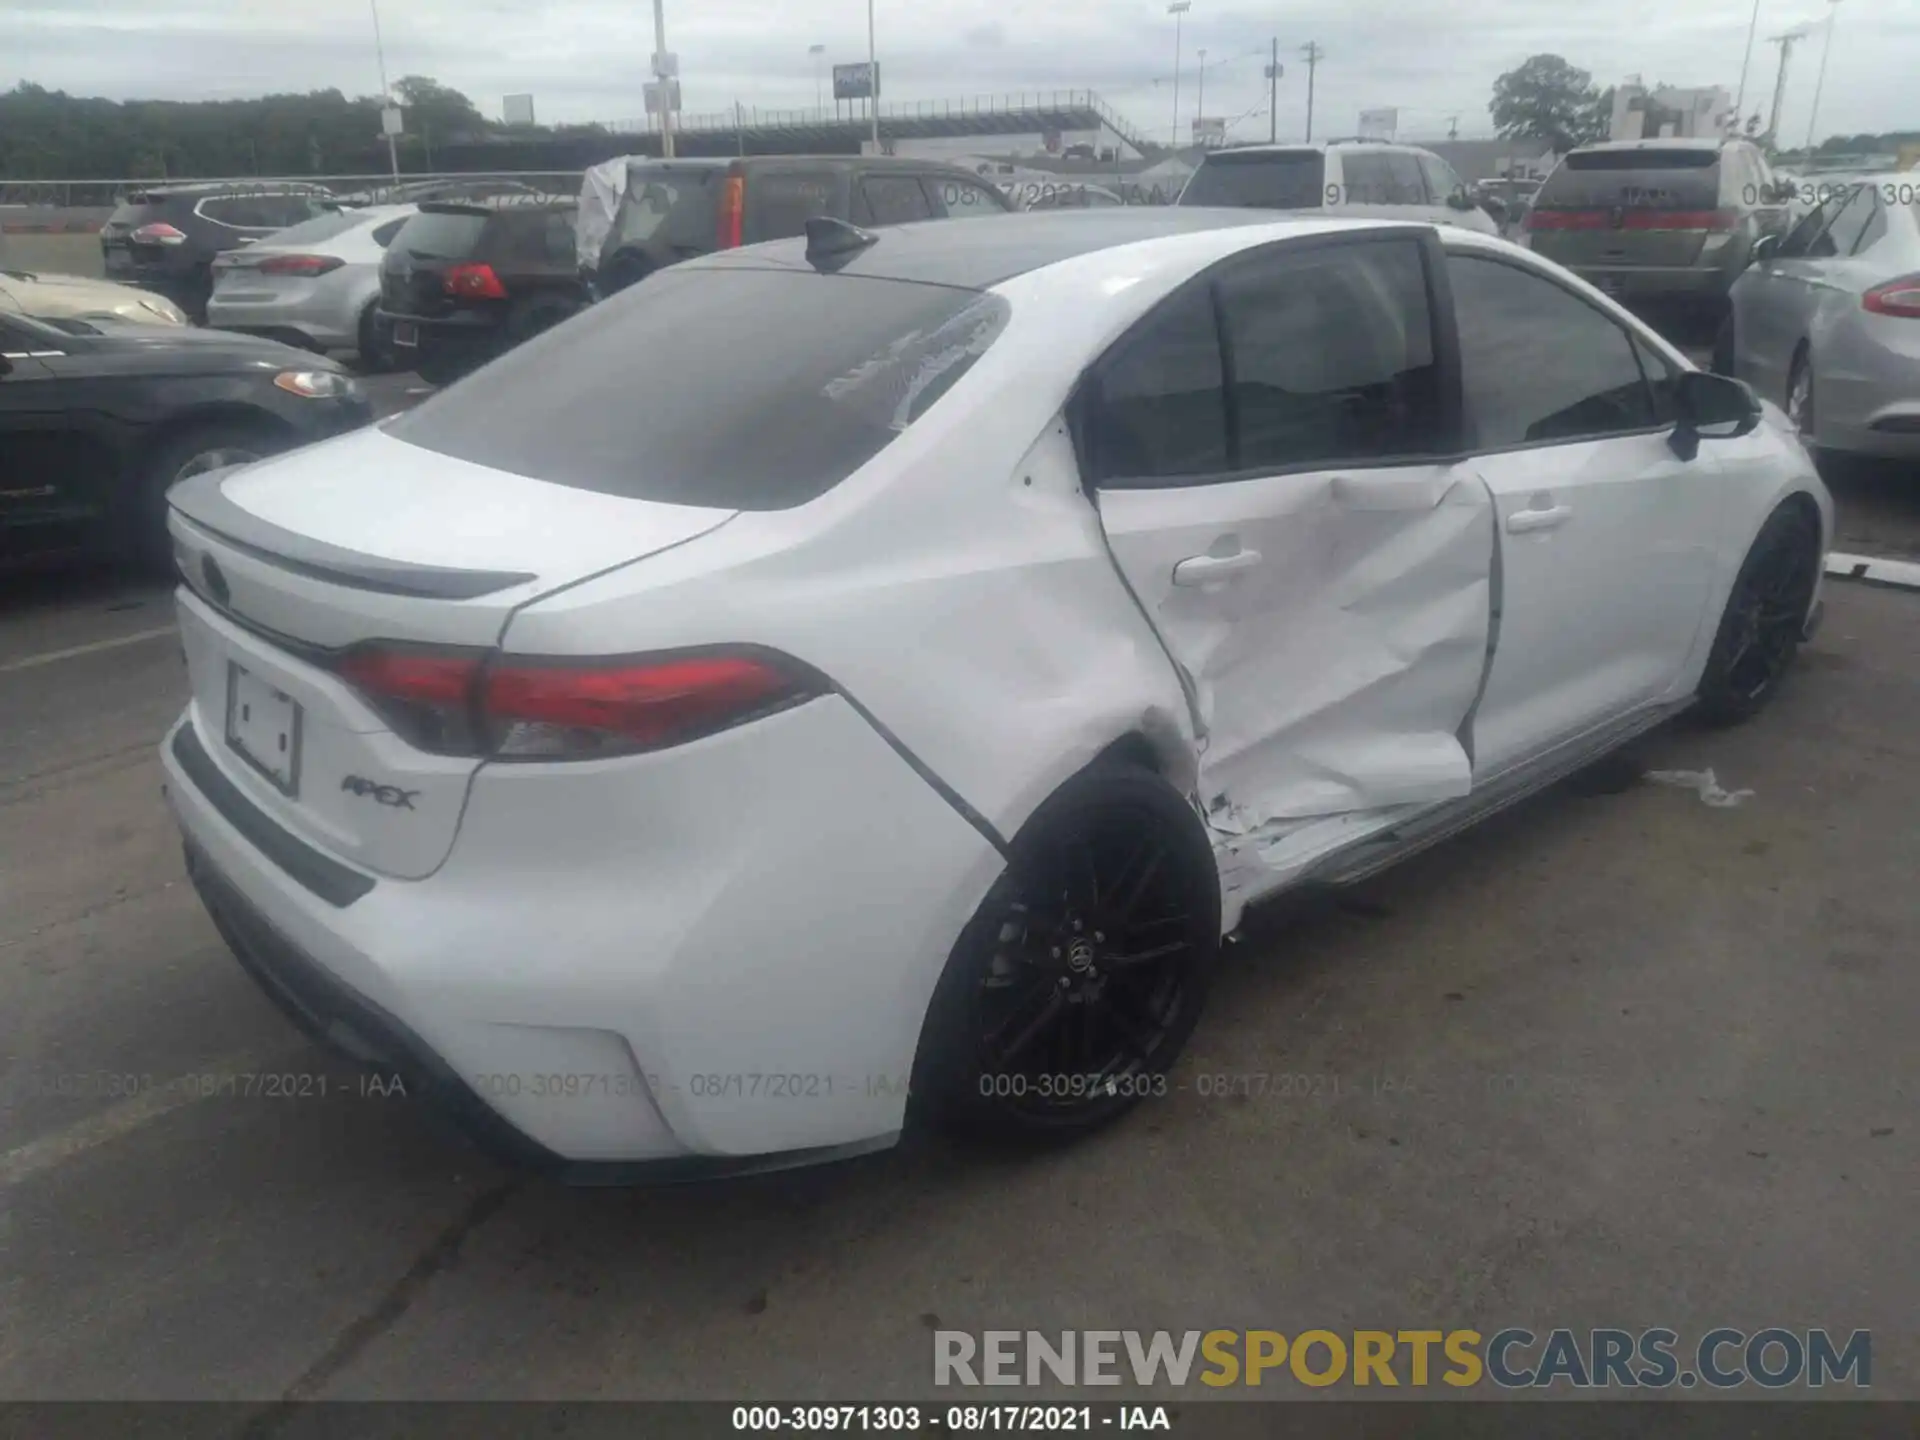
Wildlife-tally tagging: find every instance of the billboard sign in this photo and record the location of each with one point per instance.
(856, 82)
(652, 90)
(1379, 124)
(517, 109)
(1209, 130)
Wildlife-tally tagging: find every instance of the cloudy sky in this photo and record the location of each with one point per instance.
(585, 59)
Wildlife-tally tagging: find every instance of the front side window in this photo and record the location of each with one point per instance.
(1442, 182)
(1539, 364)
(1331, 356)
(1800, 238)
(1850, 224)
(1367, 181)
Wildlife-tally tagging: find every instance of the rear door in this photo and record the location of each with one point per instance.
(1607, 539)
(1271, 453)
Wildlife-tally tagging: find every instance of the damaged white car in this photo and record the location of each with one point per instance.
(886, 663)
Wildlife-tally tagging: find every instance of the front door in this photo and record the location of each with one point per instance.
(1606, 536)
(1267, 448)
(45, 492)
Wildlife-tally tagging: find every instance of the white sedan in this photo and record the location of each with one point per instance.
(886, 663)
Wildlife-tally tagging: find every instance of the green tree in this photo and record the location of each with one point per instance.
(1545, 98)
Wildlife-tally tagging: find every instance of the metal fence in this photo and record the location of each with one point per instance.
(357, 189)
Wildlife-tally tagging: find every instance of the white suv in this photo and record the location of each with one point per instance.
(1362, 177)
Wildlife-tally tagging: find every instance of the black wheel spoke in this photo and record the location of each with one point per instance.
(1031, 1031)
(1131, 903)
(1143, 957)
(1136, 1031)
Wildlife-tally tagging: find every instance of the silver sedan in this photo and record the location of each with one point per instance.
(315, 285)
(1827, 320)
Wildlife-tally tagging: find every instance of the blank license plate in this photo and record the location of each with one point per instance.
(405, 333)
(263, 727)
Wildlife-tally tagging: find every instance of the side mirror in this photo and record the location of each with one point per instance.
(1459, 200)
(1712, 407)
(1764, 249)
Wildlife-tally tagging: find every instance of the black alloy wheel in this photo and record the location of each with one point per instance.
(1766, 613)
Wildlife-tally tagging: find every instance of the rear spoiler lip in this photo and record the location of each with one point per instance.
(201, 499)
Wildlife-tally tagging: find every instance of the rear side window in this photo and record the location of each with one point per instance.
(1391, 178)
(894, 199)
(675, 209)
(725, 386)
(440, 235)
(1331, 356)
(1160, 409)
(780, 202)
(1539, 364)
(1261, 180)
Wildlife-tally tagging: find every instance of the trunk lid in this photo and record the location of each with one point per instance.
(290, 563)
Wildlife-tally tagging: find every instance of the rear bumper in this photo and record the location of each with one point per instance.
(306, 325)
(736, 985)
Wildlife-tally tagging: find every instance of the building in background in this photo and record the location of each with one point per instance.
(1668, 113)
(1495, 159)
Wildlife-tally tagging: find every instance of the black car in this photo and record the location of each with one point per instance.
(98, 418)
(672, 210)
(465, 281)
(165, 238)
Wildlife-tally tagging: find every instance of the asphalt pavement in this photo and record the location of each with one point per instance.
(1619, 1057)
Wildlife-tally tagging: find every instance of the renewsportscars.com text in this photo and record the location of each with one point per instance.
(1511, 1359)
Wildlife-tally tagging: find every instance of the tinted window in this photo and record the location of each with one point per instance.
(1331, 354)
(1441, 179)
(1537, 362)
(780, 202)
(675, 210)
(1159, 408)
(1366, 180)
(738, 388)
(895, 199)
(440, 234)
(1801, 237)
(957, 197)
(1849, 225)
(1260, 179)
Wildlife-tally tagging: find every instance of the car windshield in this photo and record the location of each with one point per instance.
(730, 387)
(677, 208)
(1264, 180)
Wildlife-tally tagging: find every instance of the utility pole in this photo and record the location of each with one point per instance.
(1200, 96)
(1177, 9)
(386, 95)
(1786, 43)
(663, 77)
(1453, 127)
(1273, 96)
(1740, 100)
(1833, 14)
(873, 80)
(819, 99)
(1314, 55)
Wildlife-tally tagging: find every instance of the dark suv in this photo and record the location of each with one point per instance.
(465, 281)
(164, 238)
(652, 213)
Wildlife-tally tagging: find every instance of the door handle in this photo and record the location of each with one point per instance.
(1206, 569)
(1526, 522)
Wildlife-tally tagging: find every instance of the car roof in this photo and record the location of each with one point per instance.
(173, 190)
(982, 251)
(1677, 142)
(800, 162)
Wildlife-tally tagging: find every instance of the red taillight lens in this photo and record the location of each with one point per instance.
(474, 281)
(1538, 219)
(299, 264)
(554, 710)
(456, 702)
(1897, 297)
(426, 695)
(158, 233)
(1712, 221)
(733, 210)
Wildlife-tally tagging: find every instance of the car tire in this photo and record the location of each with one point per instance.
(443, 367)
(1079, 979)
(185, 453)
(1725, 347)
(375, 343)
(1766, 614)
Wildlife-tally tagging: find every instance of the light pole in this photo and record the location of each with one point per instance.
(1177, 9)
(386, 95)
(1746, 62)
(1833, 14)
(819, 98)
(663, 77)
(1200, 96)
(873, 80)
(1314, 55)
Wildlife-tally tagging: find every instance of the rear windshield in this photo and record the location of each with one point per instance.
(668, 207)
(1679, 178)
(1286, 180)
(321, 227)
(440, 234)
(780, 202)
(136, 212)
(725, 386)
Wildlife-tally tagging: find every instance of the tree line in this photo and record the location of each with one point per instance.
(49, 134)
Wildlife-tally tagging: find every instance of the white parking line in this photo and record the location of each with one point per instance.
(27, 662)
(1904, 574)
(36, 1157)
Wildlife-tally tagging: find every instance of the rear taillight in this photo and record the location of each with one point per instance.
(474, 281)
(733, 209)
(158, 233)
(1714, 222)
(460, 703)
(299, 264)
(1897, 297)
(1538, 219)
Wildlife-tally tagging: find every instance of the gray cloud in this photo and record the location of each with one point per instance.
(584, 59)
